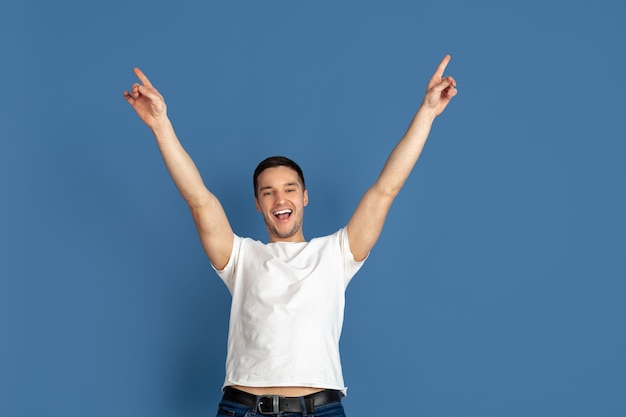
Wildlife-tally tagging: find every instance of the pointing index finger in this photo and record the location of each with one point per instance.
(442, 66)
(142, 77)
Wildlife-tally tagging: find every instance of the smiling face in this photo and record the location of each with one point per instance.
(281, 199)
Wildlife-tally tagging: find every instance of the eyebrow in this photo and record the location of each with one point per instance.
(287, 184)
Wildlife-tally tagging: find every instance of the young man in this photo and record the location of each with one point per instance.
(287, 295)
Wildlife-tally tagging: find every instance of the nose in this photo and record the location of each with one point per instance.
(279, 197)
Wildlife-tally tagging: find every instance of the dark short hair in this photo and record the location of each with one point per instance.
(273, 162)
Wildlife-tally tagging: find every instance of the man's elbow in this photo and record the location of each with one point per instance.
(386, 190)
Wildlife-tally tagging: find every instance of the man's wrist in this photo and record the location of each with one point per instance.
(161, 125)
(425, 114)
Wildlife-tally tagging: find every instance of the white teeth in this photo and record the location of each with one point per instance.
(286, 211)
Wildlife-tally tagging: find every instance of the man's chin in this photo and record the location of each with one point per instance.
(283, 234)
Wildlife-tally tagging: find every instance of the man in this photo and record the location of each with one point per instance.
(287, 295)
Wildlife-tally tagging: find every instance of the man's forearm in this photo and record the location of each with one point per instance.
(179, 164)
(404, 156)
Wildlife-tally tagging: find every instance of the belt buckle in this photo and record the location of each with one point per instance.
(269, 404)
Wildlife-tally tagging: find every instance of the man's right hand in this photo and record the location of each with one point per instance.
(146, 100)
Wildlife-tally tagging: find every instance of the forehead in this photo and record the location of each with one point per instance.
(277, 176)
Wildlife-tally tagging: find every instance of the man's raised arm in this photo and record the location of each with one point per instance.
(367, 221)
(211, 222)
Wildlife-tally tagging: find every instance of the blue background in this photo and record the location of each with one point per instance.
(496, 289)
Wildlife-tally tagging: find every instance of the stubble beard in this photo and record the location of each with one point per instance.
(273, 230)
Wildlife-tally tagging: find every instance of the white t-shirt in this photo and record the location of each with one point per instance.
(287, 311)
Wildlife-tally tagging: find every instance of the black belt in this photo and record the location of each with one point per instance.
(276, 404)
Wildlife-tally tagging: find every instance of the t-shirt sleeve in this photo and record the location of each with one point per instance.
(351, 267)
(228, 272)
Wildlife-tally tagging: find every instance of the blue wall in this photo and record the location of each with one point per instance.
(497, 287)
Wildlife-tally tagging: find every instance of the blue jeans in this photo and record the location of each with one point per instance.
(228, 409)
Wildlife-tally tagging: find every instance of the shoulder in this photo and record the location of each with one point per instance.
(337, 235)
(336, 242)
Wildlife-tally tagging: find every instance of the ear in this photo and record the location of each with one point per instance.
(256, 203)
(305, 197)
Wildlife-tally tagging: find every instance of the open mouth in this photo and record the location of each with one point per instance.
(282, 214)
